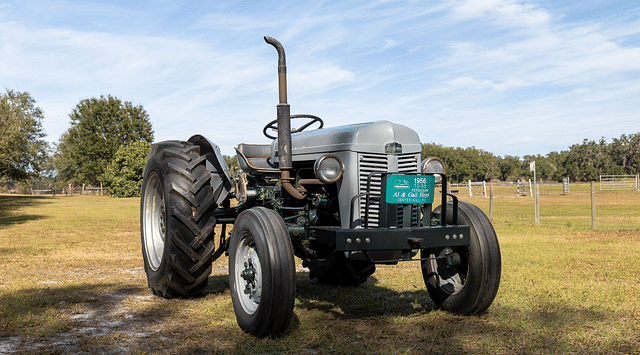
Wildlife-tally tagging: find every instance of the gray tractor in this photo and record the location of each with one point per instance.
(341, 199)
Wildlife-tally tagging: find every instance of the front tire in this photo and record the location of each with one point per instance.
(262, 275)
(465, 280)
(176, 221)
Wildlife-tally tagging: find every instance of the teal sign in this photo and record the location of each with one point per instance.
(409, 189)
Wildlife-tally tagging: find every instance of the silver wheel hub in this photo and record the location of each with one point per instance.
(248, 275)
(448, 278)
(153, 221)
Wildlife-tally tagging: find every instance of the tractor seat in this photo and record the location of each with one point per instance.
(256, 159)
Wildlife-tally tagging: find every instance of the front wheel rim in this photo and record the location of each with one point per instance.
(248, 275)
(449, 278)
(154, 223)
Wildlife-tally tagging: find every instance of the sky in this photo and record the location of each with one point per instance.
(508, 77)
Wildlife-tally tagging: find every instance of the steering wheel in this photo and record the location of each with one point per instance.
(273, 125)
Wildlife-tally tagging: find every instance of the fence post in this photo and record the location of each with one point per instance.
(535, 199)
(491, 202)
(536, 202)
(593, 205)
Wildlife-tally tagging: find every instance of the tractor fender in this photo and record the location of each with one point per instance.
(221, 179)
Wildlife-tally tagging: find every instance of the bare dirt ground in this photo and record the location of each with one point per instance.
(123, 321)
(113, 314)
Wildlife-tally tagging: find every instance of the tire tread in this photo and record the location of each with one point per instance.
(190, 232)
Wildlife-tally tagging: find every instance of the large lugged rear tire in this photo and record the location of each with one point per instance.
(465, 280)
(262, 275)
(176, 223)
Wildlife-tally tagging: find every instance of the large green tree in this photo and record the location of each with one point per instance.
(22, 147)
(99, 127)
(588, 160)
(123, 176)
(546, 167)
(626, 153)
(464, 164)
(509, 168)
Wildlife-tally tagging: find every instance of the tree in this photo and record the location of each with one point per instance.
(582, 162)
(22, 147)
(589, 160)
(99, 127)
(464, 164)
(546, 168)
(232, 164)
(123, 175)
(626, 153)
(509, 168)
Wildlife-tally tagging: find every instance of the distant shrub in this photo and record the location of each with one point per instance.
(124, 173)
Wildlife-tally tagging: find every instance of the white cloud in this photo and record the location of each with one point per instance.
(319, 78)
(506, 12)
(557, 55)
(447, 69)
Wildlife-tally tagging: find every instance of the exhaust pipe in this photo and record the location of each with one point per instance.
(284, 124)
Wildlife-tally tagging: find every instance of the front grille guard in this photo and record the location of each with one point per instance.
(369, 197)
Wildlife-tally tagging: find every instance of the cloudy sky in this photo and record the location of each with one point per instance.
(508, 77)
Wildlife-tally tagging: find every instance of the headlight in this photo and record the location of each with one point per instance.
(433, 165)
(328, 168)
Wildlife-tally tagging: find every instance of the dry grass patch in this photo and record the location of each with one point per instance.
(72, 281)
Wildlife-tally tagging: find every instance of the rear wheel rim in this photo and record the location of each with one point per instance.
(154, 221)
(248, 275)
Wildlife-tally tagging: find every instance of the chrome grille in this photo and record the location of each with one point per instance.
(369, 163)
(408, 164)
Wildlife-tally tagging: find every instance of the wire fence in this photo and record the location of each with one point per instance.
(583, 206)
(68, 191)
(619, 182)
(574, 205)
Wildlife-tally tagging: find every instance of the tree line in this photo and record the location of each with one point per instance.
(108, 141)
(584, 161)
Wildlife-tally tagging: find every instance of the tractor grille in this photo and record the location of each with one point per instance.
(368, 163)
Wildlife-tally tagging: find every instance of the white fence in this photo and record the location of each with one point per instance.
(525, 188)
(619, 182)
(480, 188)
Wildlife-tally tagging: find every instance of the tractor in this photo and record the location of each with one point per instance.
(341, 199)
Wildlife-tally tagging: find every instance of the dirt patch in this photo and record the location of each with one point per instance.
(116, 316)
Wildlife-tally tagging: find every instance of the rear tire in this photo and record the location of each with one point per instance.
(176, 223)
(262, 275)
(470, 286)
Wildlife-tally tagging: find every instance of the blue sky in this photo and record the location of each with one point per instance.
(508, 77)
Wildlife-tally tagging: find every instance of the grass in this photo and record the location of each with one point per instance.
(615, 210)
(71, 281)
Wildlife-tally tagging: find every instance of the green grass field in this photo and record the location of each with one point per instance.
(72, 281)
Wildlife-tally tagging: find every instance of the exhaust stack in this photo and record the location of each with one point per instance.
(284, 124)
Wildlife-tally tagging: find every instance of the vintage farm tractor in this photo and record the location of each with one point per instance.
(341, 199)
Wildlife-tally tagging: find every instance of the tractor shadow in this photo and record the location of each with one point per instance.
(346, 302)
(368, 300)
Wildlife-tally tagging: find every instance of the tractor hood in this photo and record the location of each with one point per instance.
(381, 137)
